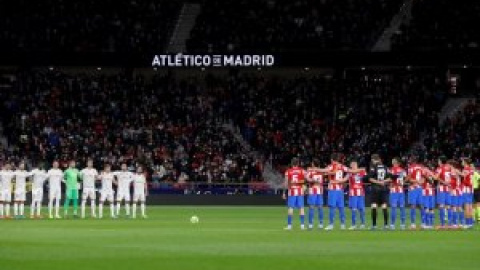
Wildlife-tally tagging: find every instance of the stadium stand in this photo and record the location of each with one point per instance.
(273, 26)
(441, 25)
(175, 127)
(381, 113)
(457, 137)
(86, 26)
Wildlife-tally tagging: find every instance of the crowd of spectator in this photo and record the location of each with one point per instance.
(456, 137)
(87, 26)
(272, 26)
(357, 116)
(175, 127)
(441, 25)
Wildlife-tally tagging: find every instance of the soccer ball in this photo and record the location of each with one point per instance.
(194, 219)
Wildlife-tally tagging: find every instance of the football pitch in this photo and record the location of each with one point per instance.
(225, 238)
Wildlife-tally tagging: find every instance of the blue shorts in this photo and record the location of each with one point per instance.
(467, 198)
(415, 197)
(443, 198)
(335, 198)
(397, 199)
(356, 202)
(315, 200)
(428, 202)
(295, 201)
(456, 201)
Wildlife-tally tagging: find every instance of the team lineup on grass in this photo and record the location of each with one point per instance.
(449, 187)
(71, 177)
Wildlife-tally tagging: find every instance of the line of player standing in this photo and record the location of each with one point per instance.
(454, 192)
(70, 177)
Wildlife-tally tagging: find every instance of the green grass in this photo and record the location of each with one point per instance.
(226, 238)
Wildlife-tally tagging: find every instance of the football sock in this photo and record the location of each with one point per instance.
(450, 216)
(50, 207)
(57, 207)
(82, 208)
(402, 215)
(441, 212)
(362, 215)
(66, 205)
(142, 207)
(75, 205)
(92, 207)
(320, 215)
(423, 216)
(289, 220)
(461, 218)
(342, 215)
(374, 217)
(385, 216)
(311, 213)
(331, 215)
(413, 215)
(393, 215)
(302, 219)
(354, 216)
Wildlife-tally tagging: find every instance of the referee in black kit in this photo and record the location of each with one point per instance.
(379, 177)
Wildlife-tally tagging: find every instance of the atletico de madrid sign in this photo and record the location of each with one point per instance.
(216, 60)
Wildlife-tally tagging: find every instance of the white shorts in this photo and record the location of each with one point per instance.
(89, 193)
(55, 193)
(139, 197)
(106, 195)
(37, 194)
(123, 195)
(6, 195)
(20, 195)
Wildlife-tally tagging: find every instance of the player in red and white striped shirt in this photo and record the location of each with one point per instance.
(336, 199)
(428, 198)
(356, 194)
(467, 174)
(397, 194)
(456, 196)
(415, 174)
(443, 174)
(294, 181)
(315, 178)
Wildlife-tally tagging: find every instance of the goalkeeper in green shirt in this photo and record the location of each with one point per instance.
(71, 176)
(476, 193)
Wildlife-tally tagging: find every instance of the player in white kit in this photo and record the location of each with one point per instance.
(39, 176)
(140, 191)
(124, 179)
(88, 176)
(106, 193)
(6, 176)
(21, 176)
(55, 178)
